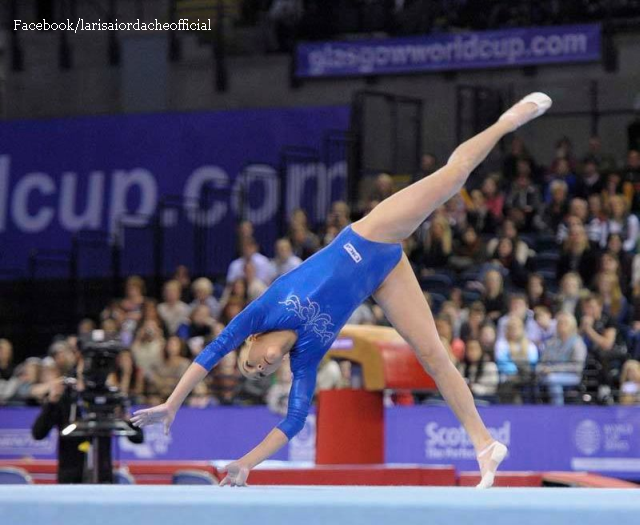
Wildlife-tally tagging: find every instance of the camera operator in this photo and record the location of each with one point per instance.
(59, 402)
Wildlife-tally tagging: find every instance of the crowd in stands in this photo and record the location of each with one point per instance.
(532, 273)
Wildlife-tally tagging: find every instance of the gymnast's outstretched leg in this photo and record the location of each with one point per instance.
(407, 310)
(397, 217)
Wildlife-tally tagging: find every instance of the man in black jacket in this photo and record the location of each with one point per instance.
(56, 412)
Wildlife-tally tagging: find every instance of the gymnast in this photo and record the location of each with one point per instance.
(302, 312)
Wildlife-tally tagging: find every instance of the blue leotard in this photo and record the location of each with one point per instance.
(315, 300)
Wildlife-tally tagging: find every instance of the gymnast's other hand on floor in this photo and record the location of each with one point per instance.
(237, 474)
(163, 413)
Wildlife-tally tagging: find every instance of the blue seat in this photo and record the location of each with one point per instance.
(14, 476)
(193, 477)
(122, 476)
(546, 243)
(547, 261)
(438, 283)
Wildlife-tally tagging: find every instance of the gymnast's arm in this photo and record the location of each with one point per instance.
(247, 322)
(300, 398)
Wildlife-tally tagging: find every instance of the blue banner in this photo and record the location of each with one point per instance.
(604, 440)
(59, 177)
(443, 52)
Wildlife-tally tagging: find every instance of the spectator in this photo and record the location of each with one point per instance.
(63, 356)
(630, 383)
(437, 246)
(615, 304)
(568, 299)
(164, 376)
(263, 266)
(148, 346)
(203, 295)
(6, 359)
(200, 329)
(470, 329)
(577, 255)
(523, 201)
(304, 242)
(150, 313)
(517, 152)
(339, 216)
(563, 359)
(624, 259)
(468, 251)
(184, 278)
(579, 214)
(632, 180)
(543, 329)
(428, 165)
(488, 338)
(516, 357)
(479, 216)
(590, 181)
(255, 286)
(480, 373)
(493, 295)
(493, 198)
(595, 154)
(621, 222)
(510, 231)
(553, 212)
(246, 232)
(134, 298)
(86, 327)
(505, 256)
(445, 331)
(128, 378)
(329, 375)
(604, 343)
(285, 260)
(173, 311)
(19, 390)
(613, 186)
(537, 294)
(278, 394)
(518, 307)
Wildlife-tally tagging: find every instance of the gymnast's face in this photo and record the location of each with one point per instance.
(263, 354)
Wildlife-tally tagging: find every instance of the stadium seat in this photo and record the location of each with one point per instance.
(14, 476)
(438, 283)
(545, 243)
(193, 477)
(547, 261)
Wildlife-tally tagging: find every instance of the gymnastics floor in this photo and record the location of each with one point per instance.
(305, 505)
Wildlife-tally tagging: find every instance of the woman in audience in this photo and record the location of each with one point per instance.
(615, 304)
(437, 246)
(6, 359)
(537, 294)
(468, 251)
(493, 198)
(445, 331)
(504, 255)
(203, 295)
(470, 329)
(173, 311)
(622, 222)
(625, 260)
(134, 298)
(493, 295)
(510, 231)
(183, 277)
(148, 345)
(570, 294)
(164, 377)
(577, 255)
(563, 359)
(630, 383)
(480, 373)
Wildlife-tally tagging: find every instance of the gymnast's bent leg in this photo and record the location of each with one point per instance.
(407, 310)
(397, 217)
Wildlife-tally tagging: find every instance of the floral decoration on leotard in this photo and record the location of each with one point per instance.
(313, 319)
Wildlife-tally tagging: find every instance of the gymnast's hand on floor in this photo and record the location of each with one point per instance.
(158, 414)
(237, 474)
